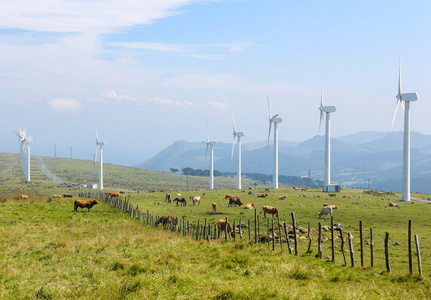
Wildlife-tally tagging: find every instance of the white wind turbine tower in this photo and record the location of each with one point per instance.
(25, 151)
(274, 119)
(210, 144)
(407, 98)
(100, 144)
(328, 110)
(238, 134)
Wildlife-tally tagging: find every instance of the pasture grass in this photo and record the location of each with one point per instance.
(51, 252)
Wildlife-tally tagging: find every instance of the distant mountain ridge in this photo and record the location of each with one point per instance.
(356, 159)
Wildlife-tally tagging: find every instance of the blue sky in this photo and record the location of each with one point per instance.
(148, 73)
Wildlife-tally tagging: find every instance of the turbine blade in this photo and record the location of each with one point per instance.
(206, 152)
(233, 146)
(269, 107)
(269, 133)
(97, 137)
(208, 137)
(234, 129)
(396, 108)
(399, 76)
(321, 94)
(321, 119)
(95, 156)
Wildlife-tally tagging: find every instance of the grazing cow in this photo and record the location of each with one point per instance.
(65, 195)
(393, 204)
(233, 200)
(166, 220)
(214, 205)
(262, 195)
(122, 192)
(303, 189)
(181, 200)
(85, 203)
(332, 206)
(295, 188)
(266, 190)
(24, 197)
(249, 206)
(221, 224)
(117, 194)
(168, 198)
(269, 210)
(56, 196)
(326, 211)
(282, 197)
(332, 195)
(195, 199)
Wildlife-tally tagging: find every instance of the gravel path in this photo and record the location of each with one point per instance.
(46, 171)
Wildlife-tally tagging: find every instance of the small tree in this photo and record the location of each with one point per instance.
(173, 170)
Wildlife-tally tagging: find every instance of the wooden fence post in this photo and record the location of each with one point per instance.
(287, 238)
(255, 225)
(372, 247)
(342, 246)
(267, 226)
(418, 254)
(225, 229)
(352, 253)
(249, 230)
(388, 267)
(362, 243)
(332, 239)
(294, 233)
(279, 232)
(273, 235)
(309, 237)
(205, 228)
(319, 242)
(410, 247)
(234, 230)
(258, 229)
(240, 231)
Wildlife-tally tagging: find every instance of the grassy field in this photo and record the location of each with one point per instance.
(51, 252)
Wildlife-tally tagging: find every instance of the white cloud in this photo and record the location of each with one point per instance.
(85, 16)
(150, 46)
(169, 102)
(65, 105)
(114, 96)
(215, 104)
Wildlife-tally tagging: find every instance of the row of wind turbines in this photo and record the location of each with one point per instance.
(325, 113)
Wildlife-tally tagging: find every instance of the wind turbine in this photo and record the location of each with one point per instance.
(100, 144)
(407, 98)
(24, 149)
(238, 134)
(274, 119)
(210, 144)
(328, 110)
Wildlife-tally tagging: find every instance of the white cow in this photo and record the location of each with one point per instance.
(327, 210)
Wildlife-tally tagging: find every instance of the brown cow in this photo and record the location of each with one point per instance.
(332, 206)
(233, 200)
(195, 199)
(282, 197)
(65, 195)
(85, 203)
(214, 207)
(249, 206)
(24, 197)
(295, 188)
(393, 204)
(221, 224)
(269, 210)
(56, 196)
(303, 189)
(262, 195)
(166, 220)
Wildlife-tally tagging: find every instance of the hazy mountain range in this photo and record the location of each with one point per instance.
(355, 159)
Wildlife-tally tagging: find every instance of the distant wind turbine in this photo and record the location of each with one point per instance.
(328, 110)
(24, 148)
(210, 144)
(407, 98)
(100, 144)
(238, 134)
(274, 119)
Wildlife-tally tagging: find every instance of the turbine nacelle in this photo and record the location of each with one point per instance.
(239, 133)
(276, 119)
(408, 97)
(211, 143)
(328, 109)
